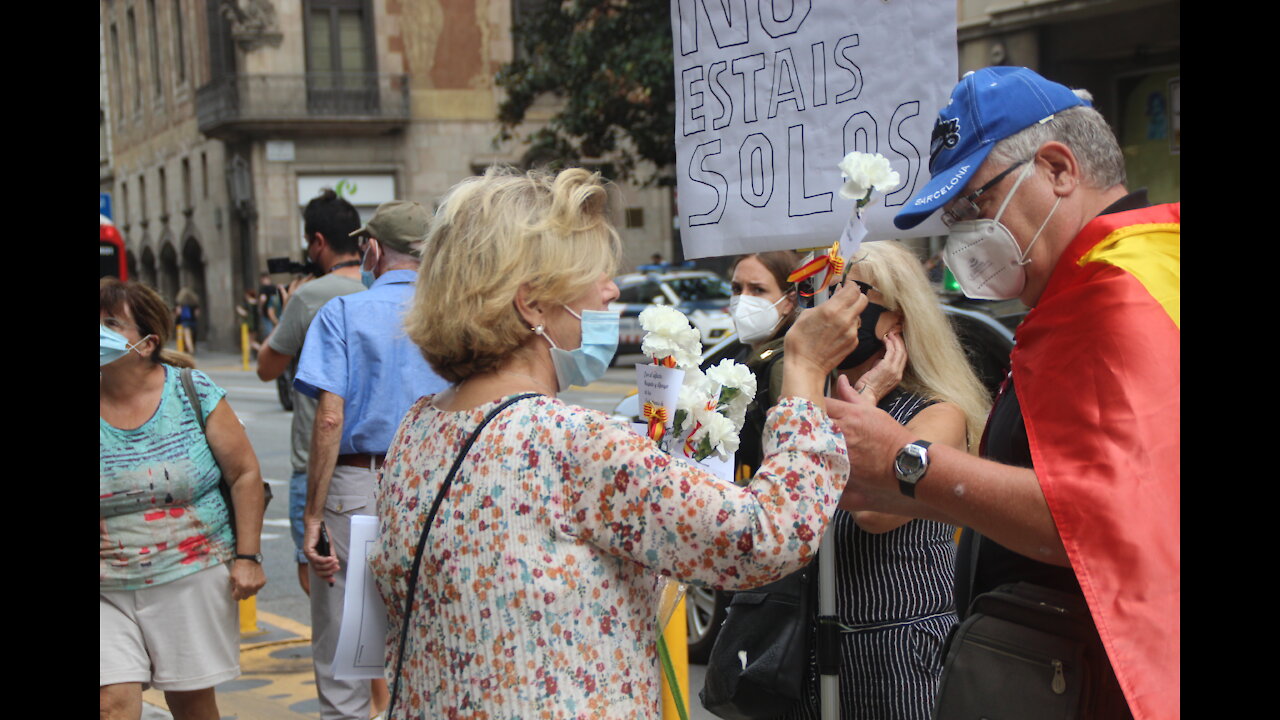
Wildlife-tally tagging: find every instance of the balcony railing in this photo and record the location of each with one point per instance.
(355, 102)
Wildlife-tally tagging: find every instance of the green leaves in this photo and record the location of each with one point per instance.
(609, 62)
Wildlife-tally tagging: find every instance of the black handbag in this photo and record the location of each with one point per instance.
(224, 488)
(1023, 651)
(760, 660)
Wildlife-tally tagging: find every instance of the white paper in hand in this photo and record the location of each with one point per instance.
(362, 638)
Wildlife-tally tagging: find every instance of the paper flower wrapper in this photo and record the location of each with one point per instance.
(659, 389)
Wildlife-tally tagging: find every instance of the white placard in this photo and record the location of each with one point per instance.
(771, 95)
(362, 637)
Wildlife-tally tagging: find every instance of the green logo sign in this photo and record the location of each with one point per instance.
(345, 188)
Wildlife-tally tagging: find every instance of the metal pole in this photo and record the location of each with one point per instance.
(828, 685)
(828, 636)
(244, 345)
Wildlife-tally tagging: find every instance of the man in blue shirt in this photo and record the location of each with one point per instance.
(364, 373)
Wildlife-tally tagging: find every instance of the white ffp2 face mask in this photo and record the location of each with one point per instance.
(754, 318)
(985, 259)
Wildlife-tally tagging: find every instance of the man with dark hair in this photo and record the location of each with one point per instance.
(328, 222)
(1078, 487)
(364, 374)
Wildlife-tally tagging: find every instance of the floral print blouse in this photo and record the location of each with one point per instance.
(541, 577)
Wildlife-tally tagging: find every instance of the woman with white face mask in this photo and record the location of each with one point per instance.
(536, 578)
(763, 306)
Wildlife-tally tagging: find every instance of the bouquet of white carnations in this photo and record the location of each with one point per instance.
(710, 409)
(672, 346)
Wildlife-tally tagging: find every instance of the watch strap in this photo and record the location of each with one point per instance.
(256, 558)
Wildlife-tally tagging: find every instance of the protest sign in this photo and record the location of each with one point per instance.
(771, 94)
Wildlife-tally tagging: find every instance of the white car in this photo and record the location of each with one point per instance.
(701, 295)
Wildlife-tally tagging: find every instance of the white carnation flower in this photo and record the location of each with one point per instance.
(730, 374)
(719, 432)
(669, 334)
(863, 173)
(692, 398)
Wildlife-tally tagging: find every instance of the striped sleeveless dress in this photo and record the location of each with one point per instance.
(895, 597)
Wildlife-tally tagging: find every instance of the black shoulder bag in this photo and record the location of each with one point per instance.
(760, 660)
(1023, 651)
(422, 542)
(224, 488)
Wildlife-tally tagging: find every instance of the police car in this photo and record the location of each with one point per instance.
(701, 295)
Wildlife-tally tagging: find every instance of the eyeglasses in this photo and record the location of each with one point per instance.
(864, 287)
(966, 208)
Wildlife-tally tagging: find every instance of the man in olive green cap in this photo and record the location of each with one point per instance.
(365, 373)
(398, 225)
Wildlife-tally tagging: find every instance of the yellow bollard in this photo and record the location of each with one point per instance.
(676, 635)
(180, 347)
(244, 345)
(249, 617)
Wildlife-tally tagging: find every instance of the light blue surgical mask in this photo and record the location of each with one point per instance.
(366, 276)
(589, 361)
(112, 345)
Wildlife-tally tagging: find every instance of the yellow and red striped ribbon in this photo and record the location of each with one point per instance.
(657, 417)
(666, 362)
(831, 262)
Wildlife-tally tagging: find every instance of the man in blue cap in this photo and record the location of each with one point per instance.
(1077, 488)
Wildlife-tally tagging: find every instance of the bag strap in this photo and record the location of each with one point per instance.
(189, 384)
(422, 540)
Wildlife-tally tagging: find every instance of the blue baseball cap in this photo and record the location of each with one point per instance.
(987, 106)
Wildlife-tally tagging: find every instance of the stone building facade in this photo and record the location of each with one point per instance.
(225, 117)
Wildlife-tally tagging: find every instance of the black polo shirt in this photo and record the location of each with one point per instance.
(982, 564)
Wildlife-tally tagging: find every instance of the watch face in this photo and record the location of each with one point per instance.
(910, 461)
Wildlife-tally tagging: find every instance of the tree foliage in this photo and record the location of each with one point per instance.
(608, 63)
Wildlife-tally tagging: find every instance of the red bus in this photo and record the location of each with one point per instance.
(111, 250)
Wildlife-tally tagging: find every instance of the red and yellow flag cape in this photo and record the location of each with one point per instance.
(1098, 372)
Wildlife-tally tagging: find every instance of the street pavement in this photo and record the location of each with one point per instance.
(276, 681)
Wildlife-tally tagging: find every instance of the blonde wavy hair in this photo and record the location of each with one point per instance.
(491, 236)
(936, 364)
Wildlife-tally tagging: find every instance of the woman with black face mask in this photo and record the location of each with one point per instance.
(894, 584)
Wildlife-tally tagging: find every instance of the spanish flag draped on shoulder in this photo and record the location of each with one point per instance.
(1098, 373)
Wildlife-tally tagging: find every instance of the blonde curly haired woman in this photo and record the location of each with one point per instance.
(538, 583)
(895, 575)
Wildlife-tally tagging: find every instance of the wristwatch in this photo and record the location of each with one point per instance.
(910, 465)
(256, 557)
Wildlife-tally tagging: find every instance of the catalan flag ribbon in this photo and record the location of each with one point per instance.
(657, 417)
(831, 262)
(666, 362)
(1097, 373)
